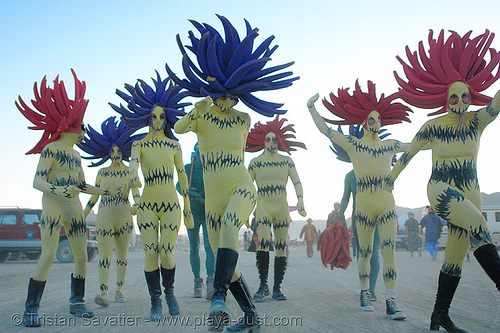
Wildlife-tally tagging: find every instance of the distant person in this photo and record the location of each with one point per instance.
(335, 216)
(310, 235)
(412, 234)
(433, 225)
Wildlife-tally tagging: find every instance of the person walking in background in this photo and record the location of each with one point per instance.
(335, 216)
(433, 225)
(197, 200)
(412, 234)
(310, 235)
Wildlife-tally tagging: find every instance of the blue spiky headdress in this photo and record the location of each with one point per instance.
(356, 131)
(231, 67)
(99, 146)
(143, 99)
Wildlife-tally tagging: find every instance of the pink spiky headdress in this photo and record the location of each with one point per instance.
(57, 113)
(354, 109)
(255, 139)
(458, 59)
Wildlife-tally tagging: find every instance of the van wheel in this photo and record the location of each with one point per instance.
(64, 253)
(4, 256)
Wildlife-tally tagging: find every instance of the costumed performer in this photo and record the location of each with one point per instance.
(60, 177)
(158, 154)
(194, 171)
(451, 77)
(229, 70)
(271, 172)
(350, 189)
(114, 222)
(371, 159)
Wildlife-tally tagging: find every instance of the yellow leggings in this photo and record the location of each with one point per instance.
(467, 227)
(387, 225)
(166, 224)
(277, 215)
(226, 217)
(113, 226)
(57, 212)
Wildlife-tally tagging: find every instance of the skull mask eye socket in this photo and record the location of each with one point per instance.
(453, 100)
(466, 98)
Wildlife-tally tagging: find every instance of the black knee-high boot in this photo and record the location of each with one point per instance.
(279, 273)
(76, 302)
(168, 276)
(487, 256)
(447, 285)
(153, 281)
(263, 267)
(225, 264)
(35, 292)
(240, 292)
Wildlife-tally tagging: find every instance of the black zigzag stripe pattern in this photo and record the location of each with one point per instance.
(103, 287)
(264, 221)
(375, 152)
(63, 158)
(444, 199)
(231, 218)
(64, 181)
(50, 222)
(265, 244)
(119, 283)
(455, 230)
(265, 164)
(159, 207)
(103, 263)
(371, 183)
(493, 113)
(169, 248)
(451, 269)
(387, 243)
(271, 190)
(390, 275)
(77, 228)
(213, 221)
(146, 226)
(114, 200)
(223, 123)
(479, 237)
(387, 216)
(450, 134)
(365, 252)
(462, 174)
(123, 263)
(151, 247)
(212, 162)
(154, 143)
(171, 227)
(362, 220)
(114, 173)
(105, 233)
(127, 228)
(246, 194)
(281, 224)
(280, 245)
(159, 176)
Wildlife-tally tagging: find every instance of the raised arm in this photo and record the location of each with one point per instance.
(420, 140)
(320, 123)
(188, 122)
(489, 113)
(183, 182)
(294, 176)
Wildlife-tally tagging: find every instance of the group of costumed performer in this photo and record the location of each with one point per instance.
(371, 158)
(229, 70)
(158, 154)
(451, 77)
(114, 223)
(194, 170)
(271, 172)
(60, 177)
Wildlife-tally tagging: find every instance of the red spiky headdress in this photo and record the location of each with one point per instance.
(57, 113)
(356, 108)
(255, 139)
(456, 59)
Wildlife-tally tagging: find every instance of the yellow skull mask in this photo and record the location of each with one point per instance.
(271, 142)
(373, 122)
(458, 98)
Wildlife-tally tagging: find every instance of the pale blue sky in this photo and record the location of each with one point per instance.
(110, 43)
